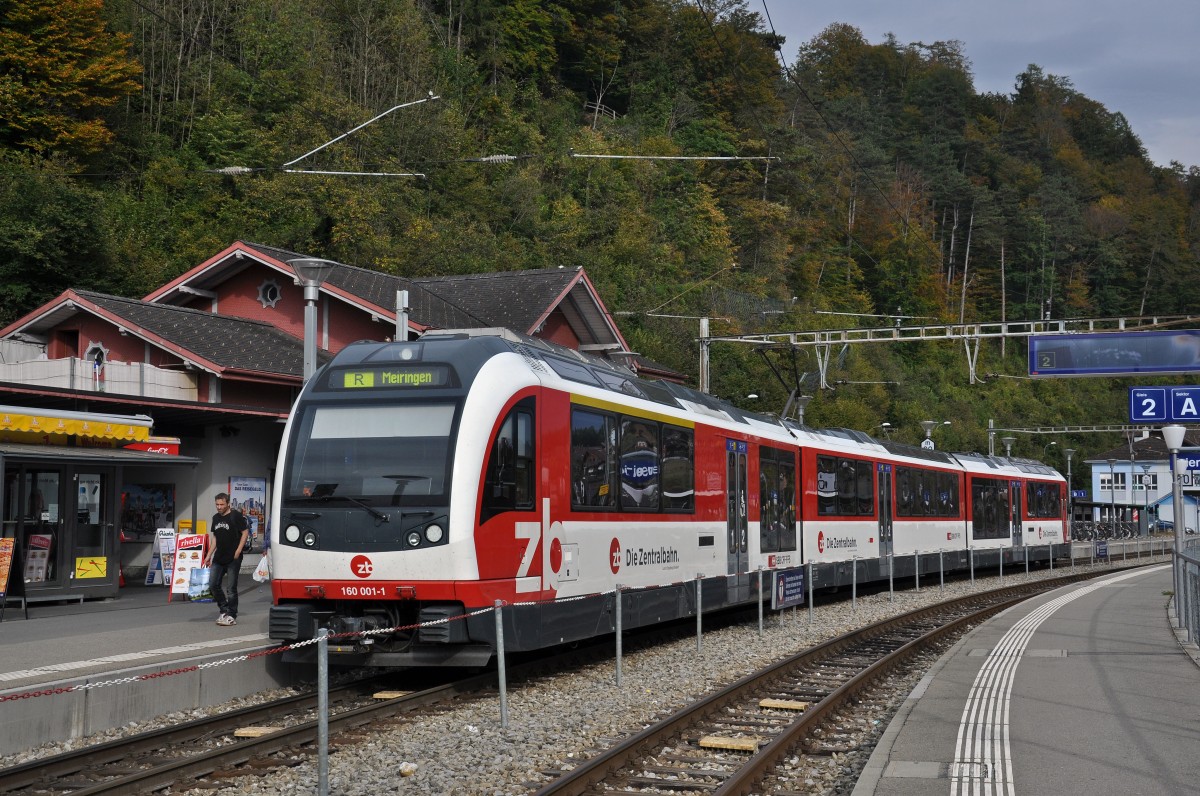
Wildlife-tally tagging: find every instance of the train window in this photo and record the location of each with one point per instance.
(388, 454)
(678, 469)
(866, 488)
(593, 471)
(1042, 500)
(777, 500)
(990, 508)
(926, 493)
(827, 485)
(509, 478)
(640, 464)
(845, 487)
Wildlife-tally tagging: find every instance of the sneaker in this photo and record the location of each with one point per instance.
(226, 620)
(221, 619)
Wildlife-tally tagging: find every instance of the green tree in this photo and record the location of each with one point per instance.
(59, 68)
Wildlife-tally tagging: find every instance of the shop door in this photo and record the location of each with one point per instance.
(91, 534)
(41, 527)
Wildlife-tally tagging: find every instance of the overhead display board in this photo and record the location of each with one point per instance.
(1114, 353)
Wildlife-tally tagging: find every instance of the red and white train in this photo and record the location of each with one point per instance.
(424, 481)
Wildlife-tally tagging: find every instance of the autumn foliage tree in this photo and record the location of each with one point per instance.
(59, 68)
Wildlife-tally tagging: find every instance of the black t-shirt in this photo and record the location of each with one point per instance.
(227, 528)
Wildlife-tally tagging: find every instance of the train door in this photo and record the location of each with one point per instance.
(884, 477)
(1018, 533)
(738, 557)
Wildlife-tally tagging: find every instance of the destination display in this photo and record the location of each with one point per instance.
(391, 377)
(1109, 353)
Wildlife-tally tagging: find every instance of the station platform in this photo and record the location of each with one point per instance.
(1085, 690)
(73, 668)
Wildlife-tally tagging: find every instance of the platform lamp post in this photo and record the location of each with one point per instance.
(1112, 494)
(929, 426)
(312, 273)
(1173, 436)
(1145, 497)
(1070, 495)
(1008, 443)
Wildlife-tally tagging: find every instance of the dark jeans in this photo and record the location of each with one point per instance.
(227, 603)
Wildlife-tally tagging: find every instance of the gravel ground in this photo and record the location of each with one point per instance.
(555, 720)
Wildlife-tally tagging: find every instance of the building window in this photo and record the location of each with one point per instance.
(268, 293)
(1107, 482)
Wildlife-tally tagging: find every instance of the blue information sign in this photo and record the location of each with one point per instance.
(1193, 462)
(1148, 404)
(787, 588)
(1164, 404)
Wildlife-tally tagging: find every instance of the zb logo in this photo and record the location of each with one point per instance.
(362, 567)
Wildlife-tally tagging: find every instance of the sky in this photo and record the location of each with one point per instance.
(1141, 58)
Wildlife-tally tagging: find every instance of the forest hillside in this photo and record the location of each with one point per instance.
(660, 144)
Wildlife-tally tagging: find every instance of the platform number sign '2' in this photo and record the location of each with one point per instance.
(1164, 404)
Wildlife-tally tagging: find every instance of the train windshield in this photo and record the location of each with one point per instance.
(382, 455)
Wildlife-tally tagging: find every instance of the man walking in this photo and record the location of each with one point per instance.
(227, 537)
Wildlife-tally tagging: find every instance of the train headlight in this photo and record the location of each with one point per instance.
(310, 538)
(292, 534)
(434, 534)
(413, 539)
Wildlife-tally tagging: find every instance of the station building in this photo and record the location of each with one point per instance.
(119, 416)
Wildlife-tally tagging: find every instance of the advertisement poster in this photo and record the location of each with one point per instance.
(189, 555)
(37, 558)
(249, 496)
(146, 508)
(6, 557)
(91, 567)
(162, 559)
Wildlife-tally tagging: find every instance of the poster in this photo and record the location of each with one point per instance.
(37, 558)
(91, 567)
(6, 557)
(146, 508)
(249, 496)
(162, 558)
(189, 554)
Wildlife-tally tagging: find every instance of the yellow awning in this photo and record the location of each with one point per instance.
(134, 428)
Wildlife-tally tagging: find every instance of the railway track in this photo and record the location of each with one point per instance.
(735, 740)
(281, 733)
(256, 739)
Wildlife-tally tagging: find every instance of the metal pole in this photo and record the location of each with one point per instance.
(760, 601)
(1025, 552)
(704, 344)
(1177, 499)
(699, 577)
(854, 583)
(971, 557)
(401, 316)
(810, 593)
(618, 606)
(503, 679)
(1001, 566)
(312, 292)
(941, 571)
(917, 568)
(323, 711)
(891, 569)
(1051, 548)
